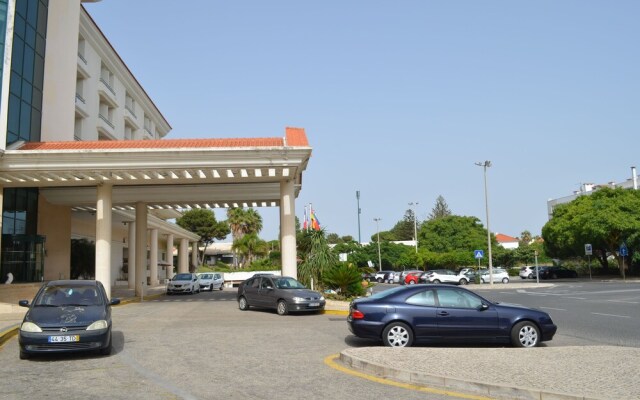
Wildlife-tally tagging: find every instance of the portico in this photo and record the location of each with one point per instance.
(136, 178)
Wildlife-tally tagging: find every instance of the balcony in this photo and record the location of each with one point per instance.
(131, 118)
(81, 106)
(108, 93)
(105, 127)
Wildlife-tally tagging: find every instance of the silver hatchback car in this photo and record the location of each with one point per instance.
(211, 280)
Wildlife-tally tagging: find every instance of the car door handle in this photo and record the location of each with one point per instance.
(443, 313)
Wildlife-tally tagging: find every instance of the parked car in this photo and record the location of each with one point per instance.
(442, 313)
(413, 277)
(527, 272)
(183, 283)
(446, 276)
(67, 316)
(382, 276)
(557, 272)
(499, 275)
(402, 275)
(211, 280)
(282, 293)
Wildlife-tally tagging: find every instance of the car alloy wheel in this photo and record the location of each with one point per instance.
(282, 309)
(397, 334)
(379, 280)
(525, 334)
(463, 281)
(436, 281)
(243, 304)
(505, 280)
(412, 282)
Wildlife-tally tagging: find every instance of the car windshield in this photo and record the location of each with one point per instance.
(182, 277)
(56, 296)
(206, 276)
(288, 283)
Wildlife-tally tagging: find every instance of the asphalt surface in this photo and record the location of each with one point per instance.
(553, 371)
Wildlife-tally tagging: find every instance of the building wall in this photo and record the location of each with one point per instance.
(54, 222)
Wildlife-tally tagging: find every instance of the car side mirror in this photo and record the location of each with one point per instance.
(114, 302)
(483, 307)
(23, 303)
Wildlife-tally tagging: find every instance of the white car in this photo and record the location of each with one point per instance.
(445, 276)
(211, 280)
(528, 272)
(499, 275)
(184, 283)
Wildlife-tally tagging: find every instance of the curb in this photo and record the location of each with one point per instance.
(8, 333)
(479, 388)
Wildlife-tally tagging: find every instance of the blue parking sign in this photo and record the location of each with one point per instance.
(623, 250)
(478, 254)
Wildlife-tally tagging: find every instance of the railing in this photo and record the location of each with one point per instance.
(108, 86)
(126, 107)
(78, 97)
(80, 56)
(102, 117)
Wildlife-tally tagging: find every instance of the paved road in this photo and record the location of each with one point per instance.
(201, 347)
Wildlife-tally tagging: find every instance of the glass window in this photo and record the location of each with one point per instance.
(26, 91)
(32, 12)
(424, 298)
(14, 114)
(27, 67)
(42, 18)
(30, 35)
(21, 8)
(16, 84)
(19, 26)
(16, 57)
(25, 120)
(451, 298)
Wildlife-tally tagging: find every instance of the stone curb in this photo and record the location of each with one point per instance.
(479, 388)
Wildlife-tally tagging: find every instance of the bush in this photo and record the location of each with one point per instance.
(345, 279)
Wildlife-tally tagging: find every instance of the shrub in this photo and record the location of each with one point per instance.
(346, 279)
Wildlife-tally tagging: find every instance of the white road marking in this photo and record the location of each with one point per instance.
(557, 309)
(622, 301)
(577, 298)
(611, 315)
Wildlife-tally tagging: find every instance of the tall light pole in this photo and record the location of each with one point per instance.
(486, 165)
(358, 200)
(378, 231)
(415, 224)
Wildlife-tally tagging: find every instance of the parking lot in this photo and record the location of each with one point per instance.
(201, 346)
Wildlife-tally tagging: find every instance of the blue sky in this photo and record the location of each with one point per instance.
(399, 99)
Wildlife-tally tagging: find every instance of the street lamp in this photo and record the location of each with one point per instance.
(359, 211)
(485, 165)
(415, 224)
(378, 230)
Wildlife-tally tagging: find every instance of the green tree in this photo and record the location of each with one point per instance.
(605, 219)
(525, 238)
(242, 222)
(249, 247)
(346, 278)
(316, 256)
(204, 224)
(440, 209)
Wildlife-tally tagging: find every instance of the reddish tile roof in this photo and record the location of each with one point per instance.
(502, 238)
(295, 137)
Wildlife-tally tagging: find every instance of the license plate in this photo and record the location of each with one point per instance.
(314, 304)
(64, 339)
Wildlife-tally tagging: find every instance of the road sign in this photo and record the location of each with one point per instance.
(478, 254)
(588, 250)
(623, 250)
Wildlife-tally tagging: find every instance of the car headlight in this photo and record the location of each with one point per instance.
(297, 299)
(100, 324)
(30, 327)
(321, 298)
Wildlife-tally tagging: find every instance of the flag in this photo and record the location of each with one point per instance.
(305, 225)
(315, 223)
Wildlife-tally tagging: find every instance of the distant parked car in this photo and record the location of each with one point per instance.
(446, 276)
(527, 272)
(183, 283)
(283, 293)
(402, 275)
(67, 316)
(382, 276)
(413, 277)
(442, 313)
(499, 275)
(211, 280)
(558, 272)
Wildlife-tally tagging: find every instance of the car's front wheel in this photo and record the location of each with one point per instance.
(463, 281)
(243, 304)
(24, 355)
(505, 280)
(525, 334)
(380, 280)
(436, 281)
(282, 308)
(530, 276)
(107, 350)
(412, 282)
(397, 334)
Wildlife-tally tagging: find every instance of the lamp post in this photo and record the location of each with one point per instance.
(415, 224)
(485, 165)
(359, 211)
(378, 233)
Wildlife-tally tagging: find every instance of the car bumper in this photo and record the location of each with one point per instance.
(179, 290)
(365, 329)
(307, 306)
(38, 342)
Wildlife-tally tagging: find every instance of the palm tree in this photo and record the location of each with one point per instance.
(316, 257)
(243, 222)
(249, 247)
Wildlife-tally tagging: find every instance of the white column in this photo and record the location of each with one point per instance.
(169, 256)
(194, 255)
(153, 258)
(288, 228)
(141, 246)
(103, 237)
(131, 263)
(183, 251)
(2, 212)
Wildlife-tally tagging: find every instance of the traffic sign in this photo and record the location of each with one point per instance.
(588, 250)
(623, 250)
(478, 254)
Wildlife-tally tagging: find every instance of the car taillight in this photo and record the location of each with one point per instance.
(356, 314)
